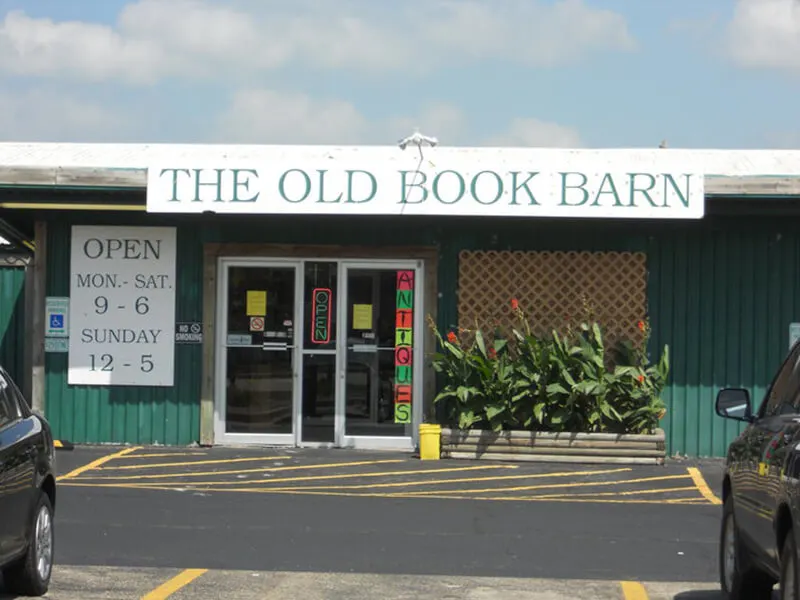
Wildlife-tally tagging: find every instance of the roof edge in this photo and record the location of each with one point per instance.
(72, 178)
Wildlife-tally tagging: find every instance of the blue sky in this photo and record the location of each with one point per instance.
(575, 73)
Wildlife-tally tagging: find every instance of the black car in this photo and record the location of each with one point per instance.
(27, 494)
(761, 490)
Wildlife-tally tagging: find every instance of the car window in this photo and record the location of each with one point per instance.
(9, 411)
(15, 393)
(783, 394)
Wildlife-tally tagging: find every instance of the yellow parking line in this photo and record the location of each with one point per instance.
(243, 471)
(445, 481)
(293, 479)
(410, 495)
(445, 496)
(688, 500)
(181, 580)
(691, 488)
(633, 590)
(193, 462)
(168, 454)
(560, 485)
(701, 484)
(96, 463)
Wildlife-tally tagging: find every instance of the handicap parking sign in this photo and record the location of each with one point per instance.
(56, 317)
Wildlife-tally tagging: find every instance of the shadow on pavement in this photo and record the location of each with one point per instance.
(699, 595)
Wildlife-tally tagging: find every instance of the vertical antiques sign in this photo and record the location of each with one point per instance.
(122, 299)
(404, 347)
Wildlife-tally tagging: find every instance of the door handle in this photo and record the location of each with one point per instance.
(274, 347)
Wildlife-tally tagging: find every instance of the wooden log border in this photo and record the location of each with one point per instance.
(534, 446)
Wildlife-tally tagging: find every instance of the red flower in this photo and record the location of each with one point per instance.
(640, 325)
(514, 304)
(641, 378)
(451, 337)
(492, 353)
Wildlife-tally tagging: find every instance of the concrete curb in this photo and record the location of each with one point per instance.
(532, 446)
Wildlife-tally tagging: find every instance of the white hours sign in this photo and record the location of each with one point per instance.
(122, 299)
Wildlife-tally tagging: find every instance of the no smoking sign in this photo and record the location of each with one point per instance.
(256, 323)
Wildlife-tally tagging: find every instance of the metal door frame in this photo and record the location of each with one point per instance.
(376, 442)
(221, 436)
(298, 353)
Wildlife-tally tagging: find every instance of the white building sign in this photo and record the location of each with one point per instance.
(122, 306)
(629, 184)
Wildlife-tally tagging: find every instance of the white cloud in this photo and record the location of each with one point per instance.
(49, 115)
(270, 117)
(527, 132)
(766, 34)
(153, 39)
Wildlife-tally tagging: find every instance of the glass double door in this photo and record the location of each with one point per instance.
(318, 352)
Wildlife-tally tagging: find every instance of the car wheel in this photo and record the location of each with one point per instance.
(739, 580)
(30, 576)
(789, 583)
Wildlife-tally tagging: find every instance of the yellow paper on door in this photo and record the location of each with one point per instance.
(362, 316)
(256, 303)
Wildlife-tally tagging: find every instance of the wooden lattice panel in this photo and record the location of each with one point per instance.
(554, 289)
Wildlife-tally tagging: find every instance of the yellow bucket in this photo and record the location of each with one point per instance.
(430, 438)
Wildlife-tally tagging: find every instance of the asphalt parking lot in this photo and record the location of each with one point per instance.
(96, 583)
(155, 523)
(387, 475)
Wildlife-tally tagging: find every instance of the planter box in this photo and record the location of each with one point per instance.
(533, 446)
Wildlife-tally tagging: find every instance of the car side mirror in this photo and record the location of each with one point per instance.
(734, 403)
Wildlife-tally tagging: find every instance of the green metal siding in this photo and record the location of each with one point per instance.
(722, 295)
(12, 321)
(136, 415)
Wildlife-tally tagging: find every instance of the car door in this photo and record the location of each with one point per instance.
(6, 421)
(768, 439)
(17, 471)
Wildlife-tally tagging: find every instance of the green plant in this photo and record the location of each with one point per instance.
(481, 388)
(567, 381)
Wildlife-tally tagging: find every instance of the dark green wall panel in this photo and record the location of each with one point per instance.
(12, 321)
(721, 292)
(137, 415)
(722, 295)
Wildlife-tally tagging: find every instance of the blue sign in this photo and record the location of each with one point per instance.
(56, 317)
(56, 321)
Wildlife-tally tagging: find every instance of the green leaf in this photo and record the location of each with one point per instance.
(493, 410)
(455, 350)
(556, 388)
(479, 341)
(467, 419)
(609, 411)
(559, 416)
(597, 334)
(444, 395)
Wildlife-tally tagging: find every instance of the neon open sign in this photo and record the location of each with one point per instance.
(321, 307)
